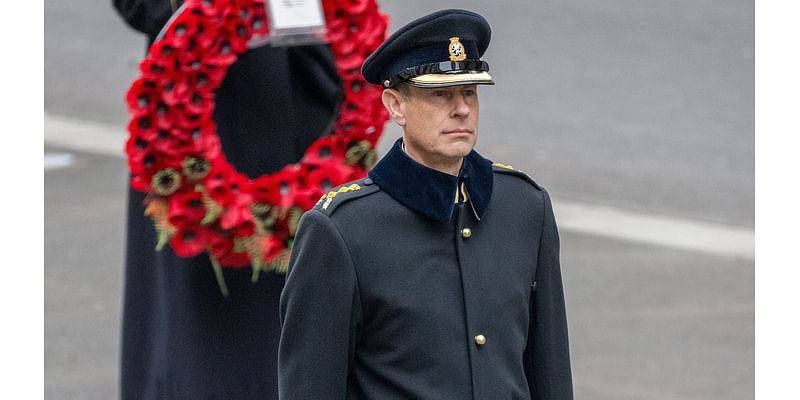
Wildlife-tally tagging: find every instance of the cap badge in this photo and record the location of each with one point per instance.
(457, 52)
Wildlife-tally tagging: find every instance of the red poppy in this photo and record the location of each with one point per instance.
(139, 183)
(203, 79)
(259, 24)
(277, 189)
(157, 69)
(239, 219)
(142, 126)
(137, 163)
(209, 8)
(209, 151)
(164, 143)
(175, 91)
(375, 24)
(362, 94)
(351, 60)
(186, 208)
(189, 241)
(238, 215)
(186, 121)
(336, 27)
(216, 183)
(221, 248)
(221, 244)
(330, 174)
(199, 102)
(205, 34)
(235, 260)
(237, 34)
(165, 116)
(199, 139)
(357, 6)
(222, 54)
(345, 6)
(136, 148)
(163, 50)
(189, 63)
(142, 97)
(247, 227)
(145, 164)
(352, 128)
(349, 75)
(239, 11)
(324, 149)
(181, 31)
(266, 190)
(355, 34)
(306, 198)
(287, 187)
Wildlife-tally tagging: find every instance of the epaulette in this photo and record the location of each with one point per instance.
(342, 194)
(507, 169)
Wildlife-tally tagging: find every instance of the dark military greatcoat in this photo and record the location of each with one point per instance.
(416, 284)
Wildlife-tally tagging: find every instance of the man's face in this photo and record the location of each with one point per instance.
(440, 124)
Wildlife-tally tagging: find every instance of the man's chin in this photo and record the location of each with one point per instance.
(461, 147)
(458, 153)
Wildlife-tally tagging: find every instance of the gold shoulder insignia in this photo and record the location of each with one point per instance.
(509, 170)
(503, 166)
(329, 202)
(328, 198)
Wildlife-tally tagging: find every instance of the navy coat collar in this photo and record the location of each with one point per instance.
(431, 192)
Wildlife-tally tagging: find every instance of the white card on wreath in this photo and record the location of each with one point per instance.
(294, 14)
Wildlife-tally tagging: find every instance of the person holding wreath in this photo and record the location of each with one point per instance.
(181, 338)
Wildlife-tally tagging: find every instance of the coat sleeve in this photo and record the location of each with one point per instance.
(547, 363)
(146, 16)
(320, 311)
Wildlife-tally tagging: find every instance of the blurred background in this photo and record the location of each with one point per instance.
(637, 115)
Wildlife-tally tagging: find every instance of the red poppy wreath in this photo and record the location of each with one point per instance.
(198, 201)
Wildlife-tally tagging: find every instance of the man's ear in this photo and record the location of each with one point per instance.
(393, 101)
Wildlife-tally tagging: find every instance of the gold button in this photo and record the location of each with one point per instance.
(480, 340)
(466, 233)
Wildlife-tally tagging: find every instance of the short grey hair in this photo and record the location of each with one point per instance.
(404, 88)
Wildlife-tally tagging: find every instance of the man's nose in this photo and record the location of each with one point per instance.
(461, 108)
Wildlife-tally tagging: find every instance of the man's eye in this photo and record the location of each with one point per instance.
(469, 92)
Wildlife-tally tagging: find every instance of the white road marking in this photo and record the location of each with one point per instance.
(655, 229)
(87, 136)
(58, 160)
(680, 233)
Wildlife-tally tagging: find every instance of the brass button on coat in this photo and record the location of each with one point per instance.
(466, 233)
(480, 340)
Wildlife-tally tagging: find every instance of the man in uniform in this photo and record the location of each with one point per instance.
(437, 277)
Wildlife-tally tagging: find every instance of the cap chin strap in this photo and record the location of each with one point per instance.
(444, 67)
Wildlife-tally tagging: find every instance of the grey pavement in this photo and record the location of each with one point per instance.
(83, 241)
(644, 105)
